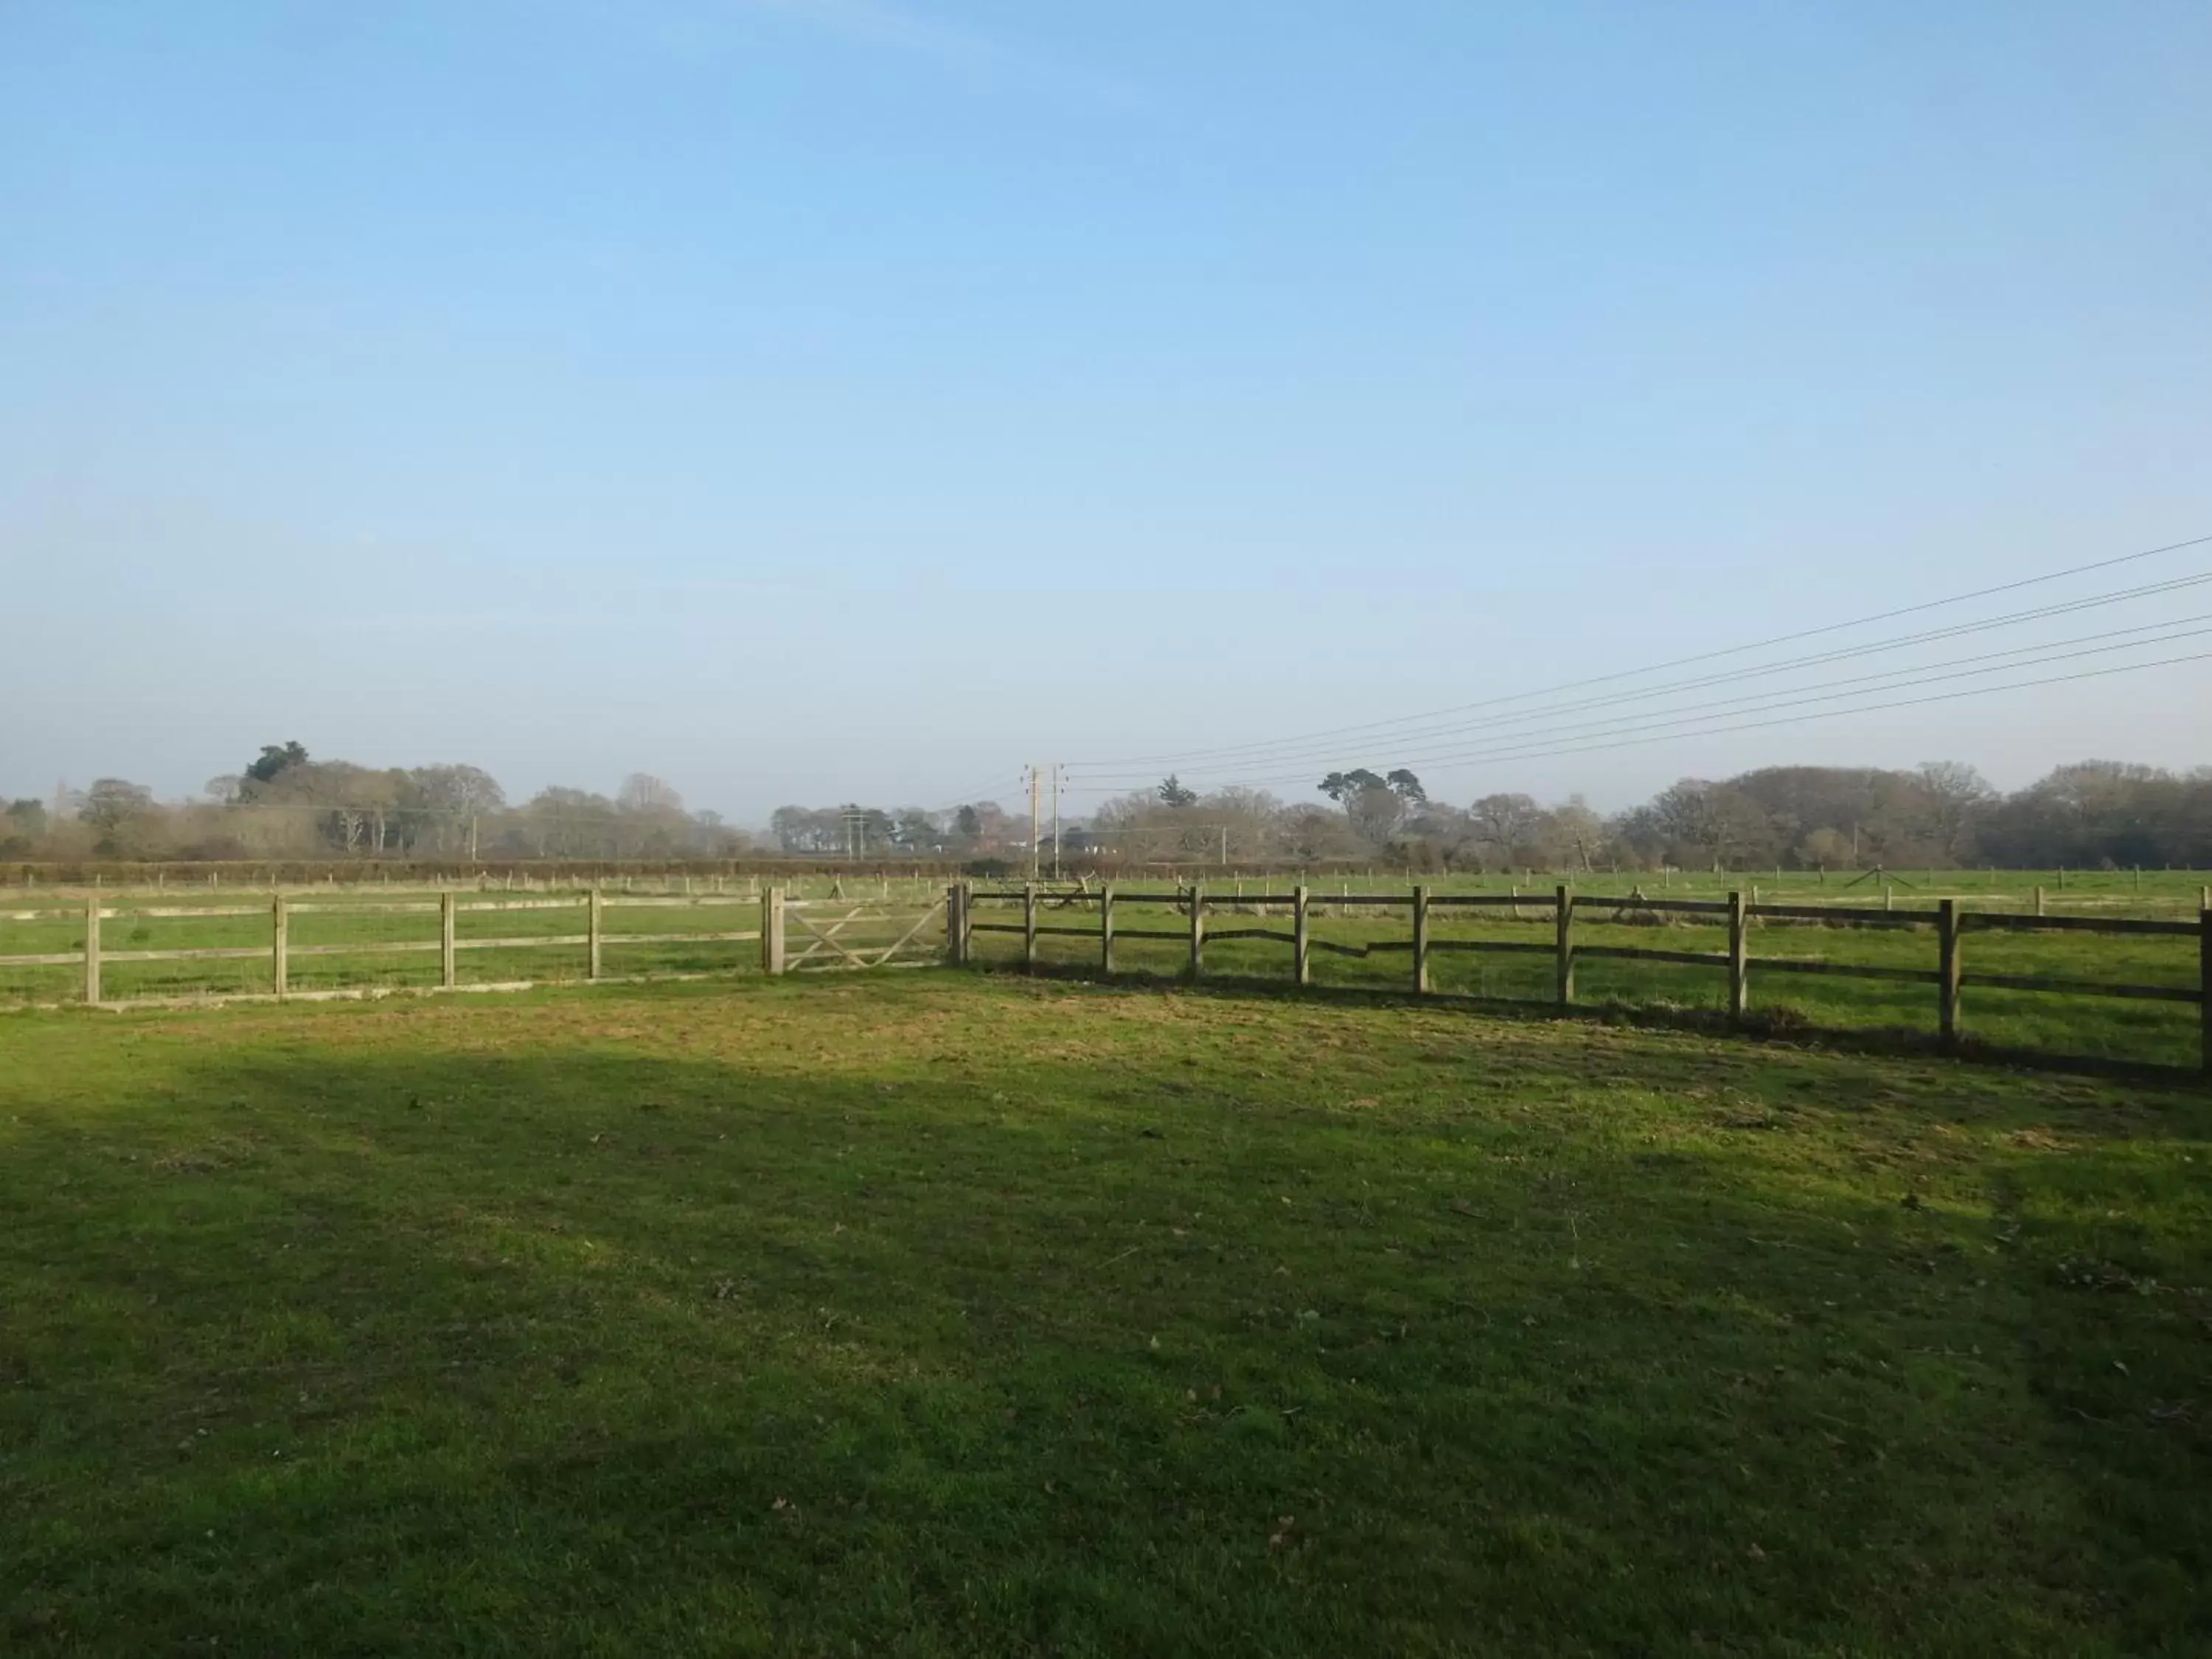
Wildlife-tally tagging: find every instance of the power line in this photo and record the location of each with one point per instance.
(978, 794)
(1864, 709)
(1869, 684)
(1384, 727)
(1287, 751)
(1513, 749)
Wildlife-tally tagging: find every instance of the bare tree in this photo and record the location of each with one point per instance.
(1955, 795)
(1506, 823)
(643, 792)
(111, 806)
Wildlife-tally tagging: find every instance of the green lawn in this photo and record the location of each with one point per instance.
(934, 1313)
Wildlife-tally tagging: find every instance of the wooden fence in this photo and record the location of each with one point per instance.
(1947, 975)
(794, 935)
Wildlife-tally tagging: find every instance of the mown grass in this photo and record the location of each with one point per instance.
(960, 1314)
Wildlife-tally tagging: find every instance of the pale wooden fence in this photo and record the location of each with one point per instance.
(794, 935)
(1950, 922)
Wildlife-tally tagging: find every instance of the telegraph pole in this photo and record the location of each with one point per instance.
(1036, 829)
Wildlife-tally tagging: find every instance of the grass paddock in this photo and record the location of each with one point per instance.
(945, 1313)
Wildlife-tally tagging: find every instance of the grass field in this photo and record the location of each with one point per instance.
(661, 920)
(943, 1313)
(2157, 1033)
(662, 926)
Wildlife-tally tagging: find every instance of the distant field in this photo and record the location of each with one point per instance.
(337, 932)
(951, 1314)
(2159, 1032)
(377, 914)
(2151, 892)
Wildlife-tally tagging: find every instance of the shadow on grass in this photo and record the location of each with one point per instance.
(1141, 1349)
(1784, 1024)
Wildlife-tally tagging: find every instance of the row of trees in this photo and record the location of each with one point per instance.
(1941, 814)
(2085, 815)
(981, 828)
(287, 805)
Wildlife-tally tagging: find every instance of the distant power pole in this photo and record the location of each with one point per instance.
(1036, 831)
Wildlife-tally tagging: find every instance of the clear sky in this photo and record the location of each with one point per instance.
(826, 399)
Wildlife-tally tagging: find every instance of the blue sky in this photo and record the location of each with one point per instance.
(822, 399)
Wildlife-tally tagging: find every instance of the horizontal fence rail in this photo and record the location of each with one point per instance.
(796, 934)
(1946, 920)
(792, 934)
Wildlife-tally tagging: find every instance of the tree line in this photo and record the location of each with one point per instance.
(285, 804)
(2088, 814)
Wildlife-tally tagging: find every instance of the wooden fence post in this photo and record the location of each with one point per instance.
(772, 931)
(595, 904)
(446, 975)
(1106, 928)
(2039, 898)
(1029, 927)
(1739, 962)
(92, 951)
(952, 924)
(1197, 929)
(2204, 984)
(280, 944)
(1947, 937)
(1301, 939)
(1566, 946)
(967, 921)
(1421, 938)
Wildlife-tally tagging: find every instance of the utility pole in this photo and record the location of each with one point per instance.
(1036, 830)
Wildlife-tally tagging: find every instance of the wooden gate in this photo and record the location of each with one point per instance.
(812, 934)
